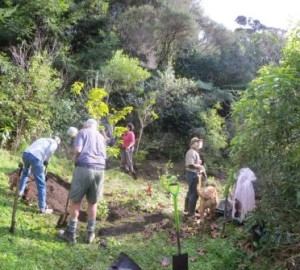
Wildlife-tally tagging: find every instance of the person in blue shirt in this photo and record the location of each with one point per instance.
(89, 156)
(35, 157)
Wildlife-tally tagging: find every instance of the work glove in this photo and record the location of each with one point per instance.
(45, 163)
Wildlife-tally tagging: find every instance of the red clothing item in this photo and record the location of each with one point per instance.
(128, 139)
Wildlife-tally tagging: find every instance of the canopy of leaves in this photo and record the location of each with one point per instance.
(26, 96)
(123, 72)
(267, 140)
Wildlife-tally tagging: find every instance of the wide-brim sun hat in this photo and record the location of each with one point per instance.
(195, 139)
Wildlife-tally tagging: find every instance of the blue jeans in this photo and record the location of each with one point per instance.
(31, 163)
(192, 181)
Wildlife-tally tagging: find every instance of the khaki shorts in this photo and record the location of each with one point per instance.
(87, 182)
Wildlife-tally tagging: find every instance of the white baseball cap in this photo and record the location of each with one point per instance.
(72, 132)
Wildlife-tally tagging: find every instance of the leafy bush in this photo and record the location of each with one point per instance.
(268, 127)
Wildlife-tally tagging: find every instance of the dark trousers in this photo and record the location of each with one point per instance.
(192, 194)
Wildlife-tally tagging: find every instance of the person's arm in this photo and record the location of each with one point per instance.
(77, 147)
(195, 166)
(76, 152)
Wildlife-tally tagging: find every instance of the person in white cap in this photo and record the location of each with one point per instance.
(88, 178)
(72, 132)
(36, 157)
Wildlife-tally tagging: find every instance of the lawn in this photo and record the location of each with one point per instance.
(135, 217)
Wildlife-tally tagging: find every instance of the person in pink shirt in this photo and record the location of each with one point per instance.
(127, 148)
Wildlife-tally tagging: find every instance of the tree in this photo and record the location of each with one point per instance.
(123, 73)
(98, 108)
(267, 139)
(146, 114)
(155, 34)
(27, 94)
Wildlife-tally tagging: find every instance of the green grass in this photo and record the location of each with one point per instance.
(35, 245)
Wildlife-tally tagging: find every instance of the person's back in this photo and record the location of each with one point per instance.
(42, 148)
(35, 158)
(93, 149)
(88, 180)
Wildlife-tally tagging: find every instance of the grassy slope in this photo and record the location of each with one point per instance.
(35, 245)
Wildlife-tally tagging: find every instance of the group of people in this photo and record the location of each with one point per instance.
(89, 157)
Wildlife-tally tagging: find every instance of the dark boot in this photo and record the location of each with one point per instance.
(192, 207)
(67, 236)
(90, 236)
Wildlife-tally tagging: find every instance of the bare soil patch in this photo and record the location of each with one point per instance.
(57, 191)
(119, 221)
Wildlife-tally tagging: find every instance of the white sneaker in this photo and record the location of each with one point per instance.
(46, 211)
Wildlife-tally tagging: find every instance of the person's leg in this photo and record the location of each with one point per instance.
(25, 175)
(192, 193)
(75, 210)
(94, 194)
(129, 159)
(69, 234)
(38, 170)
(78, 188)
(124, 160)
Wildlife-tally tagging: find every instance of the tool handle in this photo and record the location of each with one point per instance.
(224, 215)
(13, 217)
(67, 204)
(177, 225)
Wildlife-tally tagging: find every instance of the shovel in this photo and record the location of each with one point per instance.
(13, 218)
(179, 261)
(62, 221)
(124, 262)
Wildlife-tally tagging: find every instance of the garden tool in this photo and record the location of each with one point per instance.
(124, 263)
(13, 218)
(179, 261)
(63, 218)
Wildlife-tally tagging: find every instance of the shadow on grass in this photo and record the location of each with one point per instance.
(133, 226)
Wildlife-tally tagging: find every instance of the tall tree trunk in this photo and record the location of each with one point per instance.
(140, 137)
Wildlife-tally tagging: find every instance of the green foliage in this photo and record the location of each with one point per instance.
(155, 35)
(123, 72)
(145, 109)
(27, 95)
(77, 87)
(167, 177)
(215, 139)
(113, 152)
(140, 157)
(118, 115)
(36, 239)
(291, 51)
(267, 140)
(95, 105)
(102, 210)
(215, 127)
